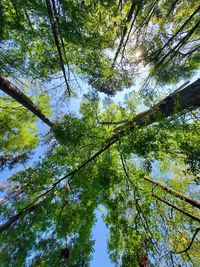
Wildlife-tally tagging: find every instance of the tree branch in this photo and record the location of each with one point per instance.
(190, 244)
(188, 214)
(189, 200)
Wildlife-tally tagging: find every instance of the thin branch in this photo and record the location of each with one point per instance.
(179, 44)
(188, 214)
(179, 30)
(172, 7)
(111, 122)
(190, 244)
(56, 39)
(131, 27)
(14, 108)
(189, 200)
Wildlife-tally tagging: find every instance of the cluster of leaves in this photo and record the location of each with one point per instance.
(42, 38)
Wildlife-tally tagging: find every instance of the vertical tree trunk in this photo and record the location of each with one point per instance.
(11, 90)
(143, 260)
(128, 19)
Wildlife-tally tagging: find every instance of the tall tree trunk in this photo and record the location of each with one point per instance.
(128, 19)
(54, 21)
(11, 90)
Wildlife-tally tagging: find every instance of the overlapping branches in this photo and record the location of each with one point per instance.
(189, 98)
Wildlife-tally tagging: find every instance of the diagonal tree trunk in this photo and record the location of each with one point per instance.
(185, 100)
(11, 90)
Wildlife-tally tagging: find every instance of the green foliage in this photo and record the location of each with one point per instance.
(89, 28)
(71, 131)
(43, 103)
(16, 124)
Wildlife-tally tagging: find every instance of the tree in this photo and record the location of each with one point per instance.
(143, 167)
(164, 36)
(16, 123)
(91, 164)
(62, 37)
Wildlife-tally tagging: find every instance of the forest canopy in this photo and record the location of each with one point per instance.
(139, 159)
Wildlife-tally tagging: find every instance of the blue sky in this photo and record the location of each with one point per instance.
(100, 235)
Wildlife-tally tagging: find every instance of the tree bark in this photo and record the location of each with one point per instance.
(185, 100)
(11, 90)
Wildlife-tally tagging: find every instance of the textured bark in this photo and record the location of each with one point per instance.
(179, 101)
(143, 260)
(11, 90)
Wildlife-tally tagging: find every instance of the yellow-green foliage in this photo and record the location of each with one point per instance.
(17, 127)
